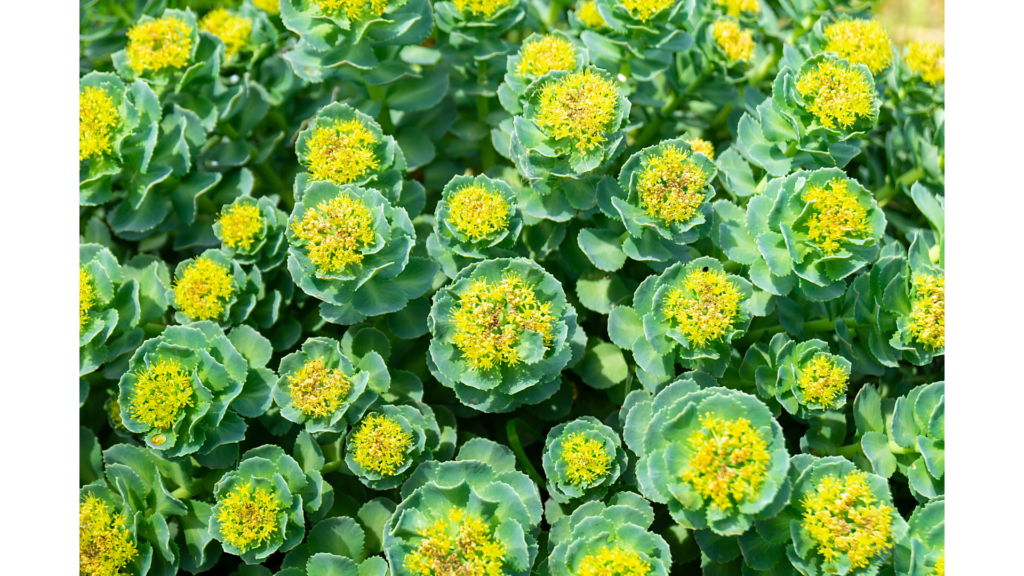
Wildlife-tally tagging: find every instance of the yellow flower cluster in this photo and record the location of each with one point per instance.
(249, 517)
(239, 225)
(644, 10)
(492, 317)
(232, 29)
(544, 54)
(580, 106)
(737, 44)
(734, 7)
(380, 444)
(823, 381)
(837, 216)
(104, 543)
(587, 12)
(477, 212)
(86, 298)
(485, 8)
(335, 232)
(97, 120)
(162, 390)
(614, 562)
(940, 566)
(585, 459)
(836, 93)
(729, 461)
(671, 185)
(341, 152)
(928, 311)
(842, 516)
(354, 9)
(204, 289)
(702, 146)
(271, 6)
(159, 44)
(459, 545)
(927, 59)
(861, 42)
(706, 315)
(317, 391)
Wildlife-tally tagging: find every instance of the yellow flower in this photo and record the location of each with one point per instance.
(928, 311)
(341, 152)
(271, 6)
(204, 289)
(232, 29)
(104, 543)
(729, 461)
(644, 10)
(736, 43)
(823, 380)
(459, 545)
(317, 391)
(248, 517)
(239, 225)
(380, 444)
(492, 317)
(542, 55)
(477, 212)
(86, 298)
(613, 562)
(940, 566)
(671, 185)
(734, 7)
(486, 8)
(587, 12)
(585, 459)
(836, 93)
(335, 232)
(162, 390)
(158, 44)
(709, 314)
(354, 9)
(580, 106)
(836, 216)
(861, 42)
(842, 516)
(701, 146)
(97, 120)
(927, 59)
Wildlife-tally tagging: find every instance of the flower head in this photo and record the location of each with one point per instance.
(461, 544)
(861, 42)
(843, 517)
(204, 289)
(380, 444)
(671, 185)
(729, 461)
(342, 152)
(248, 516)
(86, 297)
(706, 309)
(477, 212)
(580, 106)
(162, 390)
(928, 311)
(105, 545)
(587, 12)
(737, 44)
(836, 93)
(644, 10)
(232, 29)
(734, 7)
(271, 6)
(354, 9)
(614, 562)
(239, 224)
(585, 459)
(317, 390)
(702, 146)
(335, 232)
(158, 44)
(927, 59)
(485, 8)
(544, 54)
(97, 119)
(823, 380)
(836, 215)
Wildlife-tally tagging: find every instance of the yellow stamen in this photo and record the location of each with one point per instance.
(705, 308)
(614, 562)
(341, 152)
(842, 516)
(105, 545)
(736, 43)
(542, 55)
(644, 10)
(701, 146)
(836, 216)
(823, 381)
(729, 461)
(239, 225)
(836, 93)
(585, 459)
(580, 106)
(249, 517)
(671, 185)
(162, 390)
(233, 30)
(486, 8)
(928, 311)
(97, 120)
(477, 212)
(86, 298)
(271, 6)
(335, 232)
(587, 12)
(861, 42)
(354, 9)
(159, 44)
(317, 391)
(927, 59)
(459, 545)
(940, 566)
(380, 444)
(734, 7)
(204, 289)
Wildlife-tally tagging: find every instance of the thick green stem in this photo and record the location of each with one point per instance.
(384, 118)
(271, 179)
(886, 194)
(517, 447)
(821, 325)
(483, 109)
(186, 492)
(552, 17)
(849, 451)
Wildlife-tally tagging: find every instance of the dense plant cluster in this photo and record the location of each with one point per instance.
(509, 287)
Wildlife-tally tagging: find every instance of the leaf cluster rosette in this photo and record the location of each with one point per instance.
(670, 433)
(263, 244)
(653, 24)
(336, 546)
(521, 70)
(598, 536)
(109, 308)
(470, 22)
(271, 482)
(535, 374)
(453, 245)
(109, 115)
(911, 293)
(194, 292)
(182, 56)
(481, 483)
(419, 436)
(923, 551)
(582, 460)
(803, 377)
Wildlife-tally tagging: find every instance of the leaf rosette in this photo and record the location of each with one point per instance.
(500, 334)
(919, 436)
(108, 307)
(166, 49)
(469, 22)
(655, 22)
(390, 441)
(252, 231)
(215, 288)
(343, 31)
(107, 117)
(923, 551)
(805, 378)
(582, 460)
(538, 55)
(915, 297)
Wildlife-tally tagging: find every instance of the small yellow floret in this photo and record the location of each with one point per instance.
(232, 29)
(239, 225)
(317, 391)
(671, 186)
(644, 10)
(736, 43)
(492, 317)
(823, 380)
(335, 232)
(204, 289)
(380, 444)
(729, 461)
(341, 152)
(271, 6)
(477, 212)
(706, 309)
(485, 8)
(587, 13)
(459, 545)
(861, 42)
(97, 120)
(580, 106)
(837, 94)
(701, 146)
(928, 312)
(162, 390)
(158, 44)
(544, 54)
(354, 9)
(86, 298)
(585, 459)
(614, 562)
(734, 7)
(927, 59)
(842, 516)
(249, 517)
(104, 543)
(836, 217)
(940, 566)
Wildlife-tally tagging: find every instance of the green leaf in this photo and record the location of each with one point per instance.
(256, 349)
(624, 326)
(603, 366)
(325, 564)
(602, 294)
(876, 448)
(603, 248)
(867, 410)
(342, 536)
